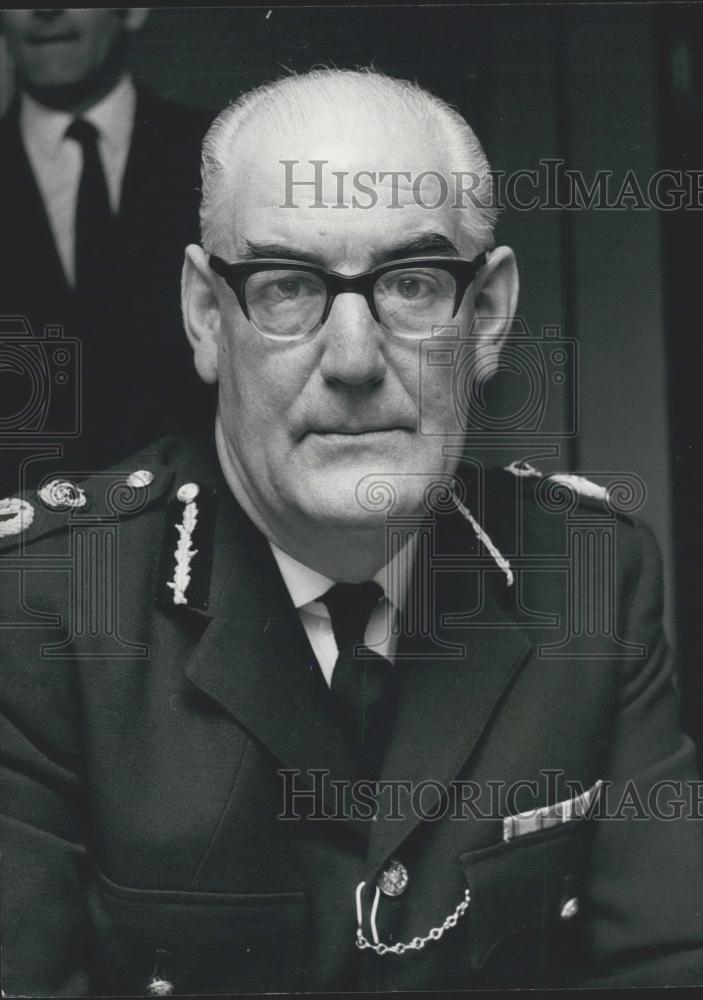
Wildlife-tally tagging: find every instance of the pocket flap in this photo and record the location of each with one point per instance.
(522, 887)
(213, 942)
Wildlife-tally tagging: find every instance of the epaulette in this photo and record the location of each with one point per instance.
(57, 503)
(492, 510)
(67, 522)
(579, 485)
(618, 496)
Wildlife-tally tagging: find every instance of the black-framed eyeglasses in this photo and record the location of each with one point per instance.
(289, 300)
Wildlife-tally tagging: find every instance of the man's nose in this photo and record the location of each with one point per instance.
(353, 344)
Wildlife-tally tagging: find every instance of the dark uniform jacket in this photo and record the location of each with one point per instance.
(161, 826)
(113, 371)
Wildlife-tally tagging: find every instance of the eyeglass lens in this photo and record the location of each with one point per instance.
(290, 304)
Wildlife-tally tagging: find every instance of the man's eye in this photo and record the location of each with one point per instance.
(285, 288)
(288, 288)
(411, 287)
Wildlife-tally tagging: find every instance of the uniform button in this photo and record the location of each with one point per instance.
(570, 908)
(188, 492)
(160, 988)
(142, 477)
(394, 880)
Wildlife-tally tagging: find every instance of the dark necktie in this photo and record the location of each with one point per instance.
(362, 686)
(94, 219)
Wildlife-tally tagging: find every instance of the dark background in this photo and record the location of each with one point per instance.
(612, 87)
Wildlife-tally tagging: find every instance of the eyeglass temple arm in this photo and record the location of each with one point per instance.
(461, 286)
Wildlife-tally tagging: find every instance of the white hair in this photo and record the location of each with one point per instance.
(286, 103)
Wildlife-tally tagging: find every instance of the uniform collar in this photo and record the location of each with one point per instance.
(306, 585)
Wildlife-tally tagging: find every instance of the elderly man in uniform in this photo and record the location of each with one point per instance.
(308, 709)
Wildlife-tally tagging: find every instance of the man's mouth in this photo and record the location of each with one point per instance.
(350, 433)
(65, 37)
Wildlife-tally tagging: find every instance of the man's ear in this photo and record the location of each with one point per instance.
(495, 300)
(201, 312)
(135, 17)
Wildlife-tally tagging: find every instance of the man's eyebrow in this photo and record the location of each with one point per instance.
(278, 251)
(426, 244)
(423, 245)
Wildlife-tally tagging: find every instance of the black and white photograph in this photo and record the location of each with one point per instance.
(351, 499)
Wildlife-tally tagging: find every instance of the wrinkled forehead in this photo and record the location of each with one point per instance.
(346, 181)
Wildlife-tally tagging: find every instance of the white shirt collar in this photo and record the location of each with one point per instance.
(306, 585)
(113, 117)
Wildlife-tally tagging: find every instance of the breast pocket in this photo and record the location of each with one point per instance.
(199, 942)
(528, 905)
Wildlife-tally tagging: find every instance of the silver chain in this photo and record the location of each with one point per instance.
(417, 943)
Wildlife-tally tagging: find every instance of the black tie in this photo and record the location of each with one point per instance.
(94, 219)
(361, 685)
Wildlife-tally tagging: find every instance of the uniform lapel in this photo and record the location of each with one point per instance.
(446, 703)
(255, 660)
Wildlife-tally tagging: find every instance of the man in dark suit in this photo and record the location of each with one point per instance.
(99, 188)
(327, 705)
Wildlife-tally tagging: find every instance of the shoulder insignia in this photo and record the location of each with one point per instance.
(112, 495)
(21, 515)
(61, 494)
(522, 469)
(579, 484)
(141, 478)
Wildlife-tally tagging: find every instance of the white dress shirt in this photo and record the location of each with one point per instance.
(57, 162)
(306, 586)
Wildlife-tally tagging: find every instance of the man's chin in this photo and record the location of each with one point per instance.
(59, 89)
(363, 501)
